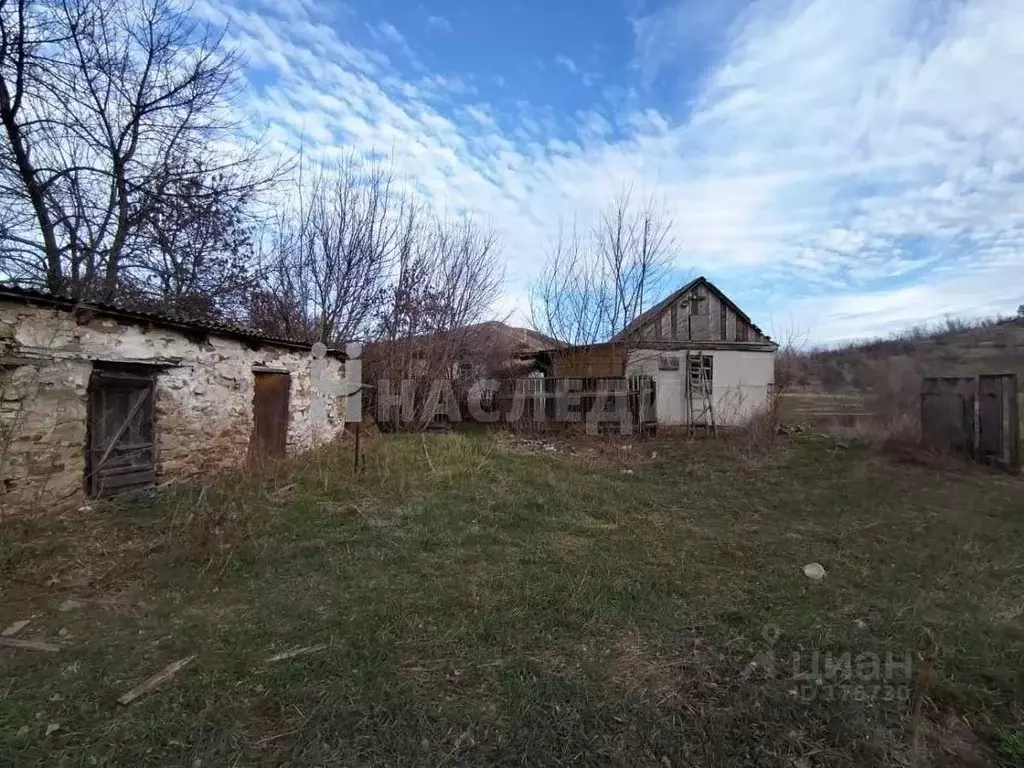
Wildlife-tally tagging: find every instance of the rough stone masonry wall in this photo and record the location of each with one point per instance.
(203, 413)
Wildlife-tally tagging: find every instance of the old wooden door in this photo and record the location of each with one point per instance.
(947, 413)
(270, 415)
(121, 451)
(998, 421)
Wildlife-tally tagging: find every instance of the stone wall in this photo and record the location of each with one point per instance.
(203, 409)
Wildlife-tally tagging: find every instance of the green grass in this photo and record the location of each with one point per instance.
(485, 605)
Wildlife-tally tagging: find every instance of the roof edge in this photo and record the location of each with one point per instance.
(667, 346)
(214, 328)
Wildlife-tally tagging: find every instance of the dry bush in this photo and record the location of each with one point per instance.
(908, 340)
(762, 429)
(894, 388)
(888, 373)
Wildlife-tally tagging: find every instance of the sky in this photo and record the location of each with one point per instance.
(840, 169)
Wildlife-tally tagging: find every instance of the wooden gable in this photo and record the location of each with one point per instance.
(698, 313)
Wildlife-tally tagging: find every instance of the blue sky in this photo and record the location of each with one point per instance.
(841, 169)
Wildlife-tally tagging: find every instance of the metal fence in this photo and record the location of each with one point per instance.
(975, 416)
(612, 403)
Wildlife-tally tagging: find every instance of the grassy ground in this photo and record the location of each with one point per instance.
(485, 604)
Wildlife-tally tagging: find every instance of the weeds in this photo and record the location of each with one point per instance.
(474, 601)
(1010, 743)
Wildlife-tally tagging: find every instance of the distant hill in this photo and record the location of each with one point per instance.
(956, 348)
(517, 341)
(882, 378)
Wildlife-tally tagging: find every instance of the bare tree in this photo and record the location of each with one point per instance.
(110, 109)
(446, 278)
(330, 257)
(202, 259)
(572, 301)
(593, 286)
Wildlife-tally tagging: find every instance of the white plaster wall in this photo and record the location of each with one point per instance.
(740, 383)
(204, 399)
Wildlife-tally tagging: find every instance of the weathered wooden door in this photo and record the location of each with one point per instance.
(270, 415)
(947, 413)
(998, 421)
(121, 451)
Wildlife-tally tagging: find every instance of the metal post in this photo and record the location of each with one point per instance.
(358, 430)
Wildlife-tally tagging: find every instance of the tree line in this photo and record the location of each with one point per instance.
(127, 176)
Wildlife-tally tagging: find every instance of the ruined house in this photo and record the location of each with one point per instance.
(98, 398)
(487, 350)
(711, 365)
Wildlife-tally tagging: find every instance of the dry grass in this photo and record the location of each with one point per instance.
(484, 603)
(871, 389)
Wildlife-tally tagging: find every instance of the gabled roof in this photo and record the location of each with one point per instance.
(163, 319)
(660, 307)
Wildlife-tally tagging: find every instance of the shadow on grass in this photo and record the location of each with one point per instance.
(484, 604)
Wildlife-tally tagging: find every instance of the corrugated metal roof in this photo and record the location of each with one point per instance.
(166, 319)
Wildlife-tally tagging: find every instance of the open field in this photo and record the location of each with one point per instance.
(469, 601)
(803, 407)
(875, 386)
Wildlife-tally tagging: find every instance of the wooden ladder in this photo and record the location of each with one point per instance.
(706, 400)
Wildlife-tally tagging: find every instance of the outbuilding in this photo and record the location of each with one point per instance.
(98, 398)
(711, 365)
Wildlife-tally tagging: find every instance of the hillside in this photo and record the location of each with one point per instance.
(881, 380)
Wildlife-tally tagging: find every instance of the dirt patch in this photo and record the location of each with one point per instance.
(591, 450)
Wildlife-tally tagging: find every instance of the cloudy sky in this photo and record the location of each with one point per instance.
(840, 168)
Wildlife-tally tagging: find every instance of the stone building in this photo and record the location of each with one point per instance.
(97, 398)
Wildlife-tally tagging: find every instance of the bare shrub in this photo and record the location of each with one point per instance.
(888, 374)
(446, 277)
(894, 388)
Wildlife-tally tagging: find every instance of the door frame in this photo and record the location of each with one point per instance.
(257, 449)
(139, 378)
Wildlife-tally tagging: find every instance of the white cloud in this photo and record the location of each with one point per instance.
(831, 147)
(388, 34)
(588, 78)
(696, 27)
(440, 23)
(992, 288)
(568, 63)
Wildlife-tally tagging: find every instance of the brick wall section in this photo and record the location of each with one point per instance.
(204, 398)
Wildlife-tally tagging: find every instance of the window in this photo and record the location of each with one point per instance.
(668, 363)
(532, 385)
(699, 305)
(120, 451)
